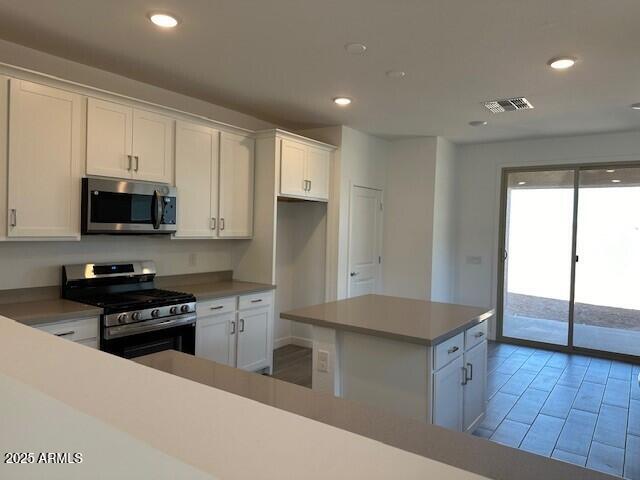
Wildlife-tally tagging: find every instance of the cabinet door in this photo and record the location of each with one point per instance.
(45, 155)
(109, 128)
(196, 180)
(4, 132)
(475, 391)
(236, 186)
(318, 172)
(253, 338)
(448, 395)
(152, 147)
(293, 158)
(216, 338)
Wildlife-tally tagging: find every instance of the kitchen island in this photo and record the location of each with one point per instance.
(421, 359)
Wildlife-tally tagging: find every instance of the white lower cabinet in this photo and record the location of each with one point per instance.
(460, 382)
(83, 330)
(237, 331)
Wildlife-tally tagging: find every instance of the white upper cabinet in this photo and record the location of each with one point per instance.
(4, 130)
(304, 171)
(109, 139)
(46, 145)
(236, 186)
(197, 159)
(152, 146)
(124, 142)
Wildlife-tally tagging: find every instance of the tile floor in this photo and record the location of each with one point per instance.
(575, 408)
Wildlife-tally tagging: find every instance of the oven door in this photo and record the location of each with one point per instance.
(181, 338)
(112, 206)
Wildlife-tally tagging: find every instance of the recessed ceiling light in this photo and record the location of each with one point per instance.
(342, 101)
(636, 106)
(355, 48)
(561, 63)
(163, 20)
(616, 181)
(610, 171)
(522, 183)
(478, 123)
(395, 73)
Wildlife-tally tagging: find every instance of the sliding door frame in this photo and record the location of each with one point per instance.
(577, 168)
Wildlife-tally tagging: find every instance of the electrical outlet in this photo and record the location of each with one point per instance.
(193, 259)
(323, 361)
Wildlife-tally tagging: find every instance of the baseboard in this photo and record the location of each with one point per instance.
(301, 342)
(281, 342)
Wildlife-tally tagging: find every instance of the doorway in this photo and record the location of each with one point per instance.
(570, 257)
(365, 241)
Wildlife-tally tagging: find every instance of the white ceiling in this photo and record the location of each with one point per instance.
(283, 60)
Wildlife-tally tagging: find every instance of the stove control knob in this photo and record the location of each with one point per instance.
(155, 313)
(173, 310)
(184, 308)
(122, 318)
(136, 316)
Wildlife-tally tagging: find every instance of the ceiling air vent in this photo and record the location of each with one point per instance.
(508, 105)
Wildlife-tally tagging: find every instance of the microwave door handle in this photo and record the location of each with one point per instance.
(157, 209)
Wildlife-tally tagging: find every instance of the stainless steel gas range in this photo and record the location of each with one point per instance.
(137, 318)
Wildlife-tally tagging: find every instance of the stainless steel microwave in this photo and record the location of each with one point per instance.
(123, 207)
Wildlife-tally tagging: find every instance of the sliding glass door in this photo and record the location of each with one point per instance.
(570, 248)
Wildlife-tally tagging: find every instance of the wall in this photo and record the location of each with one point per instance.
(408, 217)
(478, 168)
(37, 264)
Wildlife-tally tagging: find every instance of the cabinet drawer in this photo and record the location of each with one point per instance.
(474, 335)
(256, 300)
(447, 351)
(74, 330)
(216, 307)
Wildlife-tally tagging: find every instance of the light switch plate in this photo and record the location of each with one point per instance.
(323, 361)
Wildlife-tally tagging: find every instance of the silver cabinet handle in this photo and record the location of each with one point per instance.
(453, 350)
(65, 334)
(470, 371)
(233, 327)
(218, 307)
(130, 162)
(221, 224)
(479, 334)
(309, 186)
(304, 185)
(241, 329)
(14, 217)
(213, 223)
(464, 375)
(137, 163)
(256, 301)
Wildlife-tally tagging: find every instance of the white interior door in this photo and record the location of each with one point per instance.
(365, 241)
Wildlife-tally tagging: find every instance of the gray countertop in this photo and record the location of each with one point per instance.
(457, 449)
(41, 310)
(404, 319)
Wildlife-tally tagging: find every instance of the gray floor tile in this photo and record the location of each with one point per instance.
(501, 349)
(633, 426)
(528, 406)
(632, 458)
(577, 432)
(558, 360)
(617, 392)
(513, 365)
(621, 371)
(606, 458)
(497, 410)
(546, 379)
(510, 433)
(572, 375)
(542, 436)
(482, 432)
(611, 428)
(559, 401)
(589, 397)
(635, 387)
(494, 362)
(518, 383)
(569, 457)
(598, 371)
(581, 360)
(495, 381)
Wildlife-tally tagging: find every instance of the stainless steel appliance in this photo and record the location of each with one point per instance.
(137, 318)
(118, 206)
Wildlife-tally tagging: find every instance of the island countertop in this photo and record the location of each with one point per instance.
(416, 321)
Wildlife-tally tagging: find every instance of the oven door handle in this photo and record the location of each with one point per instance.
(148, 326)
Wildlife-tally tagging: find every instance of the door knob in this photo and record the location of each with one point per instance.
(353, 274)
